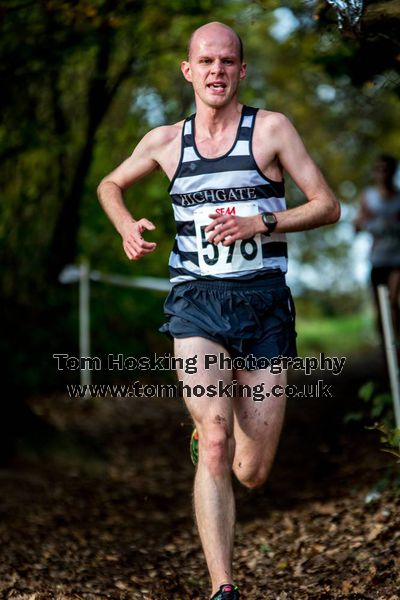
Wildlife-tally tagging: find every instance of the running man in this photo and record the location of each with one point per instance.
(228, 264)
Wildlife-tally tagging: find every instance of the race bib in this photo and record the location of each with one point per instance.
(242, 255)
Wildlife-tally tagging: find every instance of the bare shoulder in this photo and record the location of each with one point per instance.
(163, 146)
(160, 137)
(273, 121)
(273, 134)
(277, 130)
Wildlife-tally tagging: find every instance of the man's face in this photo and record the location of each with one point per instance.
(214, 67)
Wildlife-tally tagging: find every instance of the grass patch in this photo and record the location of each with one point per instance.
(342, 334)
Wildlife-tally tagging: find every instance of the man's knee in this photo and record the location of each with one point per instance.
(216, 450)
(251, 477)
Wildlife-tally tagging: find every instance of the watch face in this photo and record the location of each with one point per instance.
(269, 220)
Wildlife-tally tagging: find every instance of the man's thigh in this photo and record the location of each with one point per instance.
(209, 411)
(258, 424)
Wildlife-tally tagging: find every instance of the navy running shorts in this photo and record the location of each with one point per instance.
(248, 317)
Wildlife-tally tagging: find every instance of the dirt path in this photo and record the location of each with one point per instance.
(108, 514)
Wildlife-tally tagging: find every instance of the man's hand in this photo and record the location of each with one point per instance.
(134, 245)
(229, 228)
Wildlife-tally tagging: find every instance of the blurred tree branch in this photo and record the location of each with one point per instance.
(373, 45)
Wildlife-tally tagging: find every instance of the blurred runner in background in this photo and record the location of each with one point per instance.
(379, 214)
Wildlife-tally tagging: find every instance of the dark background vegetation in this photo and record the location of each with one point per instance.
(81, 83)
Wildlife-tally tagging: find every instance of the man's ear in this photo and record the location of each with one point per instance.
(243, 71)
(185, 68)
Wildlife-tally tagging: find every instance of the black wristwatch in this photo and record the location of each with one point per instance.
(269, 220)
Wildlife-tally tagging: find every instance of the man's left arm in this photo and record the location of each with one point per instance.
(322, 207)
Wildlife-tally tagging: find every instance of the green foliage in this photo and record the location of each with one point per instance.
(381, 404)
(378, 405)
(61, 79)
(339, 335)
(390, 438)
(379, 409)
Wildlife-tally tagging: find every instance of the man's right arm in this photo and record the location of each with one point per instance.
(110, 194)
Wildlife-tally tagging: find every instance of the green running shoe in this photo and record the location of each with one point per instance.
(227, 592)
(194, 447)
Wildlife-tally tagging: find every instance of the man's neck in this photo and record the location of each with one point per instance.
(212, 121)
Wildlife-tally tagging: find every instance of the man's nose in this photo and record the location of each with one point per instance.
(217, 66)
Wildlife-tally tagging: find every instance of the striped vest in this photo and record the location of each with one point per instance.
(215, 182)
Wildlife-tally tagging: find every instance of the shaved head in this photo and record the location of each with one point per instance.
(215, 27)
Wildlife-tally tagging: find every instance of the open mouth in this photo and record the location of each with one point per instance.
(216, 85)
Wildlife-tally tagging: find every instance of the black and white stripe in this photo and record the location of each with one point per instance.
(234, 177)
